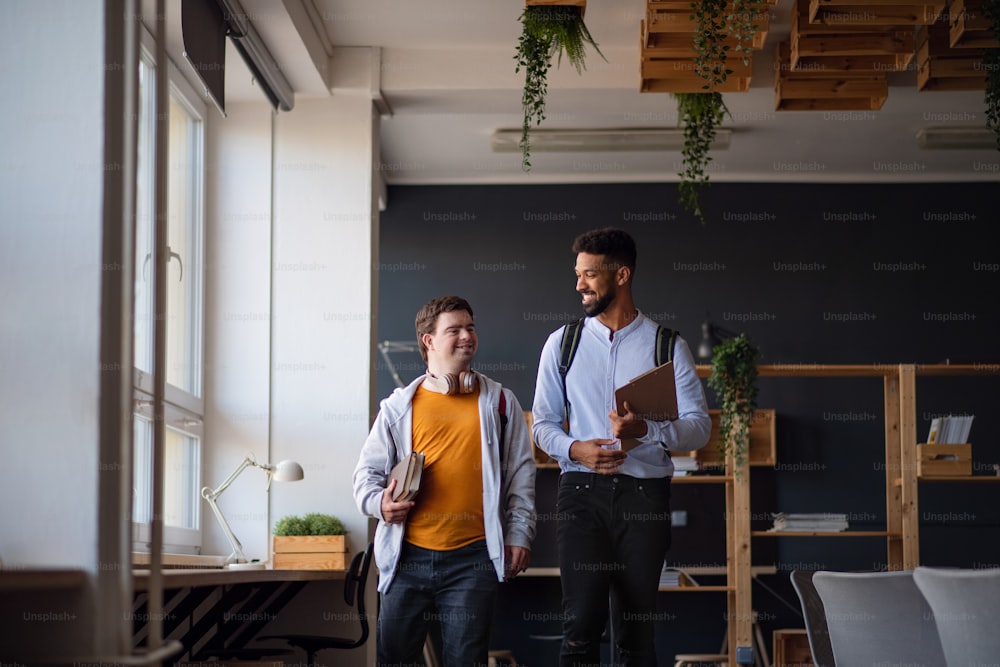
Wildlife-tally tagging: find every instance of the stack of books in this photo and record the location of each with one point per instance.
(950, 430)
(812, 523)
(684, 465)
(673, 577)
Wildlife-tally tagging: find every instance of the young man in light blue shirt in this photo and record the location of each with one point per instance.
(614, 507)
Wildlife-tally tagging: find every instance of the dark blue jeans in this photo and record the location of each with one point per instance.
(614, 532)
(456, 588)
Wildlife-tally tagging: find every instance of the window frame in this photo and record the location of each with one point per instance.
(184, 411)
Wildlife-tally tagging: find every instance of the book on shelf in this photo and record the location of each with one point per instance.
(684, 465)
(824, 522)
(950, 430)
(675, 577)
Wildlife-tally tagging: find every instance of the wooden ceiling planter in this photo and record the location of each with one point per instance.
(825, 90)
(943, 68)
(847, 47)
(874, 12)
(969, 27)
(667, 51)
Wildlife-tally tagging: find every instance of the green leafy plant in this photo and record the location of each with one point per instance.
(734, 381)
(742, 23)
(313, 523)
(991, 65)
(709, 41)
(699, 114)
(547, 32)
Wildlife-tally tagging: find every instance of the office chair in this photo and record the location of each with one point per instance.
(966, 606)
(354, 593)
(815, 615)
(878, 618)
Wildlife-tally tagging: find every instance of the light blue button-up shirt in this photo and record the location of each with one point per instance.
(604, 362)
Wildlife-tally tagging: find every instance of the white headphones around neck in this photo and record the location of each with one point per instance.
(450, 383)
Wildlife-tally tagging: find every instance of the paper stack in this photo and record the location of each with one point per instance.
(673, 577)
(684, 465)
(811, 523)
(950, 430)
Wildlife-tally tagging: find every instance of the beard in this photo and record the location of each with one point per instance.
(598, 306)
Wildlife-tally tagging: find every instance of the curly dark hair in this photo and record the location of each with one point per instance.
(427, 316)
(617, 247)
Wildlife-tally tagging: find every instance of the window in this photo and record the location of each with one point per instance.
(184, 410)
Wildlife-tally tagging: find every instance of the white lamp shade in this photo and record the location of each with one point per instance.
(288, 471)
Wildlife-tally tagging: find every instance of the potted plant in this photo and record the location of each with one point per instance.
(991, 65)
(699, 114)
(547, 30)
(312, 542)
(734, 381)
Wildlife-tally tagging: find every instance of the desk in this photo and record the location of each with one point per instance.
(210, 610)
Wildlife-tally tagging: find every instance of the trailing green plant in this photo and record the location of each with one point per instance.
(709, 41)
(734, 381)
(699, 114)
(991, 65)
(742, 23)
(547, 32)
(313, 523)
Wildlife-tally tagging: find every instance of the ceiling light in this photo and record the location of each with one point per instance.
(956, 137)
(584, 140)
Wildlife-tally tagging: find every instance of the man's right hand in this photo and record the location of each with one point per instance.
(592, 454)
(393, 512)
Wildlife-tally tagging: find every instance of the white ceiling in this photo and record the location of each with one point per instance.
(448, 76)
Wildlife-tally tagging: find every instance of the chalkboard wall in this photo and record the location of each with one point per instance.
(852, 274)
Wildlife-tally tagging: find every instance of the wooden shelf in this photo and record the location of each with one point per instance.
(958, 478)
(696, 589)
(842, 533)
(41, 579)
(702, 479)
(816, 370)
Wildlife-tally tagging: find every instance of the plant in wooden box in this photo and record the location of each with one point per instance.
(548, 28)
(699, 114)
(734, 380)
(991, 65)
(311, 542)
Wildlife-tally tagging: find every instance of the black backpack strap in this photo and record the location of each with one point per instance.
(567, 350)
(663, 333)
(502, 409)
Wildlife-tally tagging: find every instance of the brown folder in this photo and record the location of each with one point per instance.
(407, 475)
(652, 395)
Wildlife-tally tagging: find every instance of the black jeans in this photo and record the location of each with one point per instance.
(614, 532)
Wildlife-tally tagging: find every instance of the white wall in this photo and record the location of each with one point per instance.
(51, 176)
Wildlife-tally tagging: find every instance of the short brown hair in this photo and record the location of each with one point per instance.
(427, 316)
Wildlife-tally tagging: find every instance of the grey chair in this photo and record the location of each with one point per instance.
(815, 616)
(878, 618)
(966, 607)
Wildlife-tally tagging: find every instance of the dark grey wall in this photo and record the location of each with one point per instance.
(812, 273)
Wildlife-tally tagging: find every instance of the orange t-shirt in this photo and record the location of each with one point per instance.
(448, 513)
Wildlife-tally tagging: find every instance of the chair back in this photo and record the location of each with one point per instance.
(878, 617)
(355, 582)
(815, 617)
(966, 607)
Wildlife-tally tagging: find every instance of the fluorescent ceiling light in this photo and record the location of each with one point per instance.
(584, 140)
(957, 137)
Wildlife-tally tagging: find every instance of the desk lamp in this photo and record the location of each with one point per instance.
(284, 471)
(712, 335)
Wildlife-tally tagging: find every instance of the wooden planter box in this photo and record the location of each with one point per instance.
(310, 552)
(944, 460)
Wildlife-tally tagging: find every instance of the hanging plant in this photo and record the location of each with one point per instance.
(547, 31)
(742, 24)
(699, 114)
(709, 41)
(734, 381)
(991, 65)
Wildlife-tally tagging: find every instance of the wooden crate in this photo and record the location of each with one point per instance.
(762, 441)
(310, 552)
(941, 67)
(969, 27)
(874, 12)
(826, 90)
(944, 460)
(847, 47)
(791, 648)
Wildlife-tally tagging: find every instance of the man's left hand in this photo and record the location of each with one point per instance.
(517, 560)
(630, 426)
